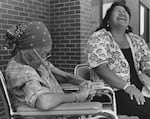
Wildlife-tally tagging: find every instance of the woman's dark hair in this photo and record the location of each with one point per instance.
(108, 15)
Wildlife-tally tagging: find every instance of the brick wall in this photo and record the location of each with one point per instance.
(13, 12)
(71, 23)
(65, 31)
(90, 18)
(67, 20)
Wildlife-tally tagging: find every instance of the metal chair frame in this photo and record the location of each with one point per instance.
(91, 110)
(83, 71)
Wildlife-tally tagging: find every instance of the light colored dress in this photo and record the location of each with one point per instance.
(102, 48)
(26, 83)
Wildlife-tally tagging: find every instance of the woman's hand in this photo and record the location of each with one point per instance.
(92, 90)
(146, 80)
(84, 91)
(135, 93)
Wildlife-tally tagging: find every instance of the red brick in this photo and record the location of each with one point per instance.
(3, 52)
(41, 17)
(75, 8)
(2, 113)
(59, 5)
(2, 31)
(59, 21)
(63, 1)
(64, 9)
(28, 10)
(75, 24)
(60, 61)
(23, 14)
(6, 57)
(53, 1)
(6, 6)
(64, 41)
(3, 21)
(42, 1)
(18, 8)
(3, 1)
(12, 22)
(7, 16)
(23, 4)
(37, 12)
(5, 26)
(11, 2)
(28, 19)
(69, 4)
(0, 57)
(75, 57)
(69, 12)
(59, 13)
(13, 12)
(36, 3)
(3, 10)
(33, 7)
(65, 57)
(28, 1)
(18, 18)
(64, 25)
(45, 14)
(70, 45)
(59, 53)
(33, 15)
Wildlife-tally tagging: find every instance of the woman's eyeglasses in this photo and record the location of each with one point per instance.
(48, 55)
(44, 57)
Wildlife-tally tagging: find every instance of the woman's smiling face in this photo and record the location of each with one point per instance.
(119, 17)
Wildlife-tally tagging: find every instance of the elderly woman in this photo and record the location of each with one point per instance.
(30, 78)
(122, 59)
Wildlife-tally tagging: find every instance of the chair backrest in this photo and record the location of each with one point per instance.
(82, 70)
(5, 98)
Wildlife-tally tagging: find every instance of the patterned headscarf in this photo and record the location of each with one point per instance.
(28, 36)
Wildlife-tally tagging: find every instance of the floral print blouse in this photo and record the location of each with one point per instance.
(26, 84)
(102, 48)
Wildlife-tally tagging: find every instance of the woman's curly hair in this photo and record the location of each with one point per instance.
(108, 15)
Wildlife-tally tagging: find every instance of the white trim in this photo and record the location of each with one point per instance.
(2, 79)
(145, 3)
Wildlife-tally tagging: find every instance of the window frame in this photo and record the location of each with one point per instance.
(146, 23)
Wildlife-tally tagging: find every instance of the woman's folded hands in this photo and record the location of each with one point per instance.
(85, 90)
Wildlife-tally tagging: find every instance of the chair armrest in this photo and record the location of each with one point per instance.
(97, 85)
(108, 91)
(69, 87)
(63, 109)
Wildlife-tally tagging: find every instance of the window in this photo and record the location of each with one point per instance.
(144, 22)
(105, 8)
(105, 5)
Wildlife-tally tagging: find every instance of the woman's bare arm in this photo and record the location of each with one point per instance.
(50, 100)
(66, 77)
(109, 76)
